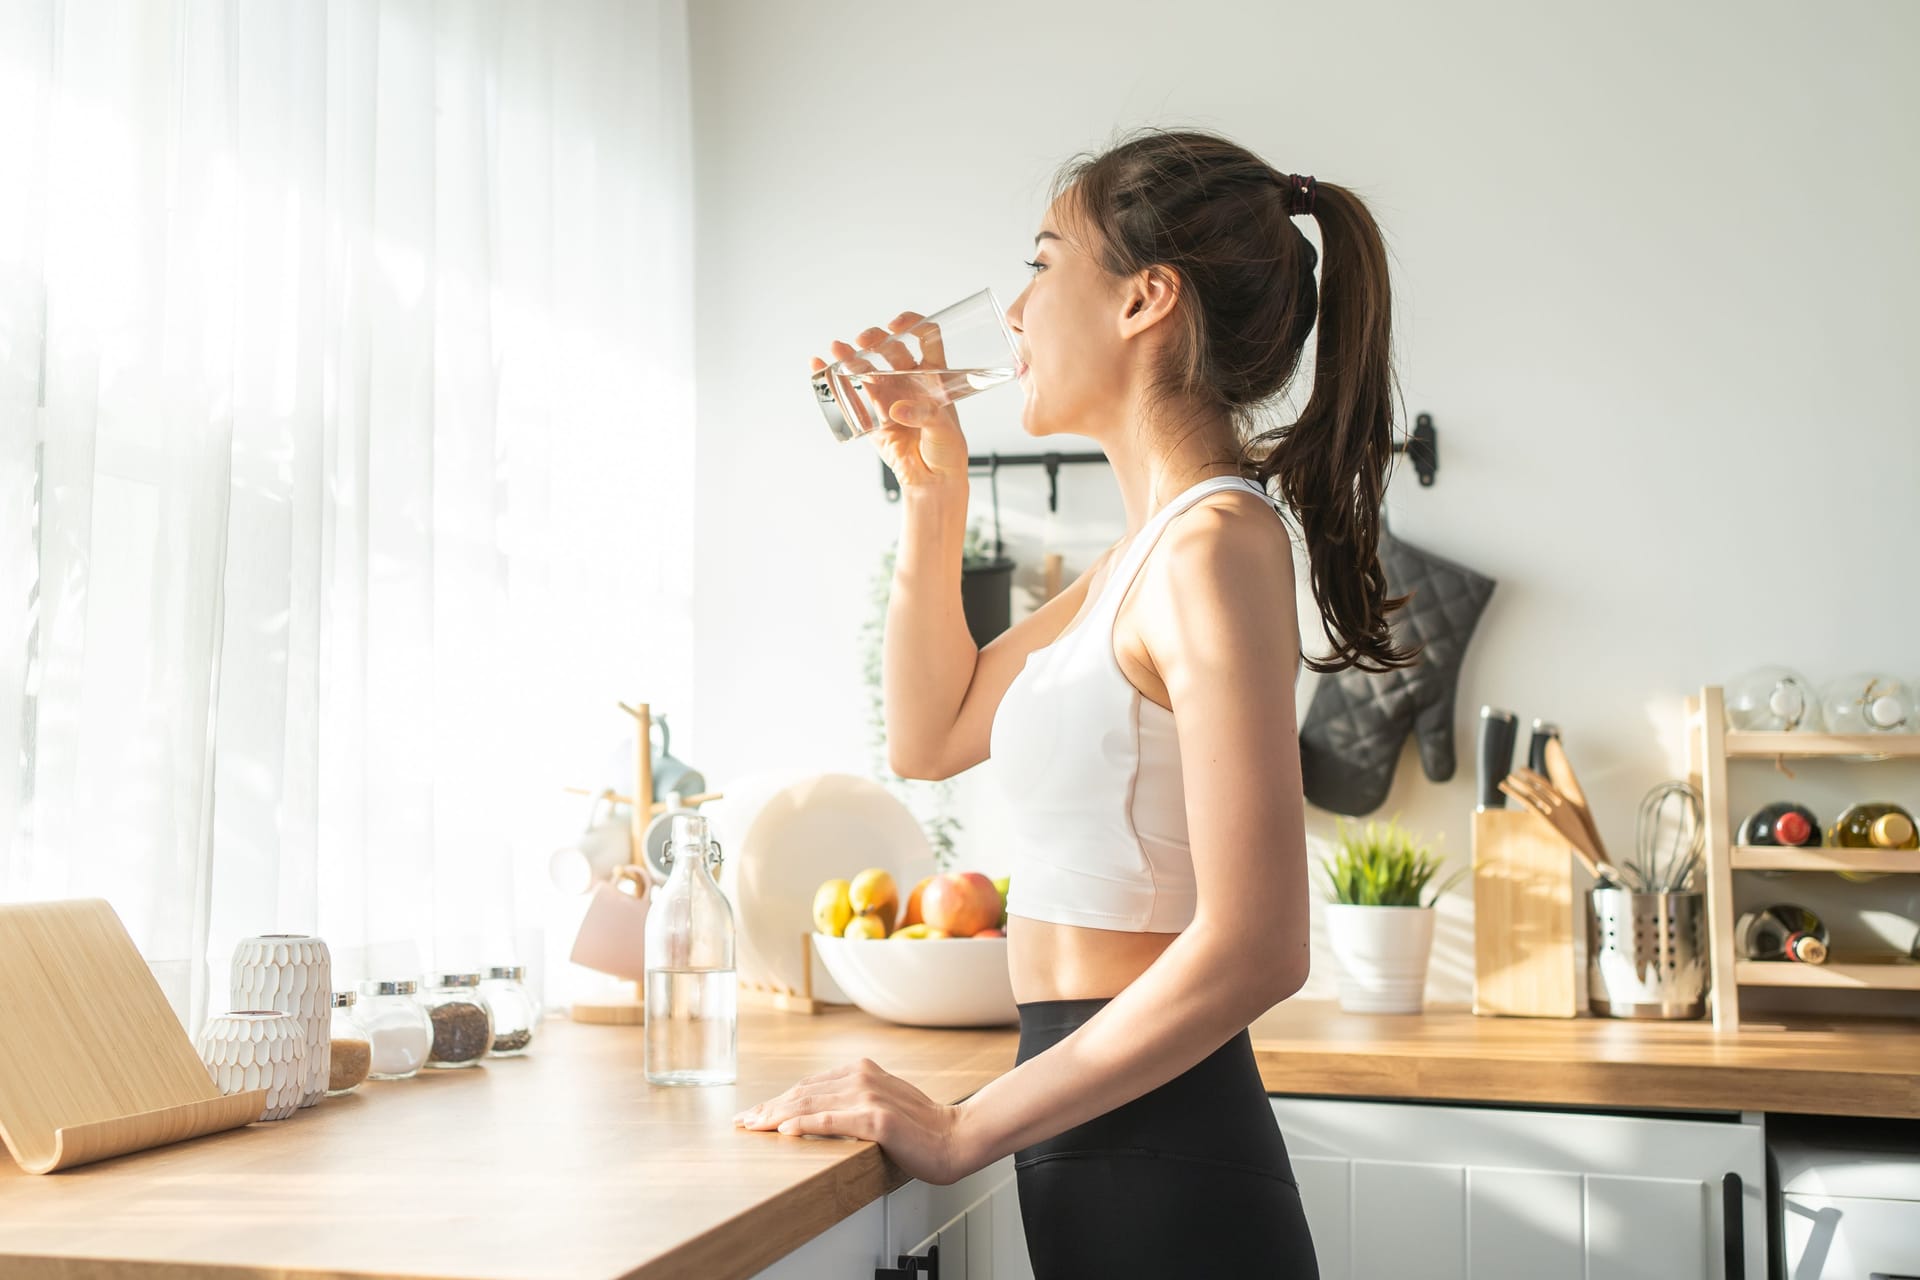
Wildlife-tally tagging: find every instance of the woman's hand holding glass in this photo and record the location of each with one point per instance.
(921, 441)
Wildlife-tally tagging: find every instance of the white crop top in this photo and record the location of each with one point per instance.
(1091, 769)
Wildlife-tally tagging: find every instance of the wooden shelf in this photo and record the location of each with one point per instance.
(1891, 974)
(1753, 857)
(1710, 748)
(1869, 746)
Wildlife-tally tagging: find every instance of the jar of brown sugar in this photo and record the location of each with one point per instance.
(352, 1051)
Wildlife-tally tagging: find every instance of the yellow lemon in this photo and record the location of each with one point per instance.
(866, 927)
(873, 893)
(831, 908)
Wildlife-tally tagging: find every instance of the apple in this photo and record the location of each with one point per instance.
(990, 933)
(989, 894)
(961, 903)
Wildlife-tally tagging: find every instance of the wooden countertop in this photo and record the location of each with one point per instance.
(566, 1163)
(1841, 1066)
(562, 1163)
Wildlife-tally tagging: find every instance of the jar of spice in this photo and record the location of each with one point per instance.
(462, 1026)
(352, 1053)
(397, 1028)
(516, 1014)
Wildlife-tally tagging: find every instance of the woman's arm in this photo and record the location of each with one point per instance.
(927, 657)
(1223, 637)
(940, 693)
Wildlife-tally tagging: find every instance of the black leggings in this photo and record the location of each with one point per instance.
(1189, 1180)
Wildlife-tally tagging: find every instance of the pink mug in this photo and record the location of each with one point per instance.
(613, 933)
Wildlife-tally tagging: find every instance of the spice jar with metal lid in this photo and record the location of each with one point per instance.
(516, 1014)
(352, 1051)
(462, 1025)
(397, 1027)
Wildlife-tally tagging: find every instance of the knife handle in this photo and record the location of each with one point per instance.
(1496, 738)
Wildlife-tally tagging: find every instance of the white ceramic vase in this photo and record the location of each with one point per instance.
(1383, 954)
(258, 1049)
(291, 972)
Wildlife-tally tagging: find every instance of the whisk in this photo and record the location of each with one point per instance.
(1669, 836)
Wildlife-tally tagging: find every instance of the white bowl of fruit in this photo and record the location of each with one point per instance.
(941, 961)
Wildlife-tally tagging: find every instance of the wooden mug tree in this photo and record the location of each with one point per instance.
(628, 1005)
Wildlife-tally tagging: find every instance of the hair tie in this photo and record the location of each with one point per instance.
(1300, 189)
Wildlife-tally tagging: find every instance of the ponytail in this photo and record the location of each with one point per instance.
(1332, 463)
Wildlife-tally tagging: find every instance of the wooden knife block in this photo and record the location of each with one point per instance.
(1524, 959)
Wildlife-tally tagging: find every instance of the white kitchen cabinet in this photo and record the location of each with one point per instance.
(975, 1222)
(850, 1248)
(1444, 1191)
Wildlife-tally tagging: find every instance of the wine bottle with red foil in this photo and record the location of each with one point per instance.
(1781, 932)
(1781, 823)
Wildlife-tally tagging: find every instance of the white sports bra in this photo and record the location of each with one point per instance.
(1091, 767)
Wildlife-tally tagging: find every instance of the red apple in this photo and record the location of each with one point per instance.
(963, 903)
(990, 933)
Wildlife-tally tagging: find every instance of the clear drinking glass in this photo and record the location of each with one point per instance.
(952, 354)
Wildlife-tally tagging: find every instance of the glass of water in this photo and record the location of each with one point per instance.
(950, 355)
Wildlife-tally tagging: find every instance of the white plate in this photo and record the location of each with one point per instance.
(781, 835)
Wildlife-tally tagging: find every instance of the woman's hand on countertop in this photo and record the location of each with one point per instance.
(862, 1100)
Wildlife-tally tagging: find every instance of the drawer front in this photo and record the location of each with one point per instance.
(1831, 1237)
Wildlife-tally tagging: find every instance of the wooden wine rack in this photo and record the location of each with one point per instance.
(1710, 747)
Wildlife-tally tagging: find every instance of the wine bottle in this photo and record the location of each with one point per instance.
(1874, 825)
(1781, 823)
(1783, 931)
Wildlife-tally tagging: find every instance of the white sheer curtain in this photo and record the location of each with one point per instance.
(345, 460)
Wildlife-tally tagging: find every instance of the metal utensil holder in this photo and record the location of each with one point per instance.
(1646, 954)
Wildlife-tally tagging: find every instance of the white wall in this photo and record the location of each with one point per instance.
(1654, 275)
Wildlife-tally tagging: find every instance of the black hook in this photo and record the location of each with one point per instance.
(1423, 449)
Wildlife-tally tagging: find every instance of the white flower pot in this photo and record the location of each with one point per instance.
(264, 1049)
(1383, 954)
(291, 972)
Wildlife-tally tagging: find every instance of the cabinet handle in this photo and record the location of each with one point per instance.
(911, 1266)
(1733, 1222)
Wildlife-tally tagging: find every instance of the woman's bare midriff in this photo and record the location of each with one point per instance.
(1069, 962)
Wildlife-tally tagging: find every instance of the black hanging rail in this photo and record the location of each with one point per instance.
(1422, 447)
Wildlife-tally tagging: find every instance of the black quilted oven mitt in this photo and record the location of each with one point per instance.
(1353, 731)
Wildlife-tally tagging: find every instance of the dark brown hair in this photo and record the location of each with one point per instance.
(1216, 215)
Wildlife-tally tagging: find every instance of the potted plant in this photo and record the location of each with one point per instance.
(1381, 931)
(986, 587)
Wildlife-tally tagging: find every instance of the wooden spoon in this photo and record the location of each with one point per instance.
(1560, 770)
(1533, 791)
